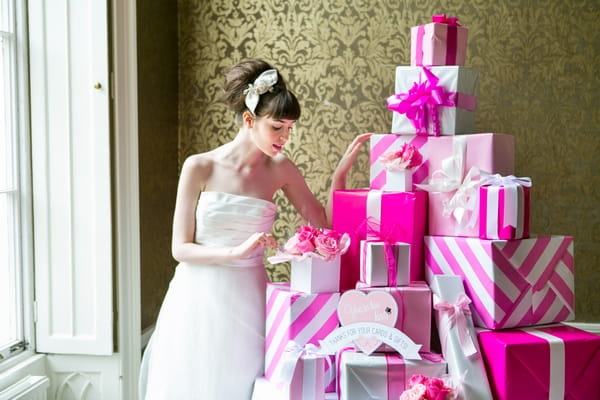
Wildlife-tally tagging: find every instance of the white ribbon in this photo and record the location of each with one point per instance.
(452, 177)
(263, 84)
(374, 199)
(556, 389)
(514, 212)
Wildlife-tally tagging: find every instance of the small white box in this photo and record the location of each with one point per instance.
(314, 275)
(374, 269)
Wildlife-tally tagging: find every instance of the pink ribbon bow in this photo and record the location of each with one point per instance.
(374, 235)
(454, 315)
(442, 19)
(422, 101)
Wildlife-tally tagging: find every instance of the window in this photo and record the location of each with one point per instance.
(13, 218)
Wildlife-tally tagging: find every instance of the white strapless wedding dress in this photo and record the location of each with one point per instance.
(208, 342)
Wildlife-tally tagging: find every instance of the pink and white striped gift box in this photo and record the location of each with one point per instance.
(389, 142)
(512, 283)
(301, 317)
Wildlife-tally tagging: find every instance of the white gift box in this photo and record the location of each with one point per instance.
(399, 181)
(374, 269)
(315, 275)
(462, 366)
(452, 120)
(381, 376)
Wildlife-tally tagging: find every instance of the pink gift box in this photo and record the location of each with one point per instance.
(489, 152)
(545, 362)
(504, 212)
(386, 143)
(414, 311)
(400, 216)
(382, 375)
(300, 317)
(512, 283)
(438, 44)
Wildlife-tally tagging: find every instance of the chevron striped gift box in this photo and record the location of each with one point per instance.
(511, 283)
(389, 142)
(300, 317)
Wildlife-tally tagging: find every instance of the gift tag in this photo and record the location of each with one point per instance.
(357, 307)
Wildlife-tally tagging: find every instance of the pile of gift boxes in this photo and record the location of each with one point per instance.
(440, 249)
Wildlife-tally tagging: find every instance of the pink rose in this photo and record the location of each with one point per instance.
(406, 158)
(328, 243)
(437, 389)
(416, 392)
(410, 155)
(416, 379)
(302, 241)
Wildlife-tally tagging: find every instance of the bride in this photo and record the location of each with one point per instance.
(209, 337)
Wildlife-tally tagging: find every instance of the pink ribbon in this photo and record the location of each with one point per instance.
(396, 372)
(454, 315)
(374, 235)
(442, 19)
(421, 102)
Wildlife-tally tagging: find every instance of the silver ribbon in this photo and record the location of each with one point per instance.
(263, 84)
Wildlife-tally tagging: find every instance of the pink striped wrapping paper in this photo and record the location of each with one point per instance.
(389, 142)
(382, 375)
(301, 317)
(438, 44)
(512, 283)
(544, 362)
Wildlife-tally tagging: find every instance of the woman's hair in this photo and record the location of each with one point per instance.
(278, 103)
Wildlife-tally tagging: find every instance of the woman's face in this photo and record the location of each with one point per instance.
(270, 135)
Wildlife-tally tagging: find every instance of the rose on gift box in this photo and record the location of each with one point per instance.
(421, 387)
(309, 241)
(408, 157)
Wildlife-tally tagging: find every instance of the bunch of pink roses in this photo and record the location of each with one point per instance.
(421, 387)
(406, 158)
(312, 242)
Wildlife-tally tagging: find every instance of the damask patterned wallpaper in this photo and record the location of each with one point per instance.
(538, 64)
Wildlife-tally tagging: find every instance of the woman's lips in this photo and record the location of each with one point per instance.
(278, 147)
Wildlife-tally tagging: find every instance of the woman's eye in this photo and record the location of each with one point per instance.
(277, 128)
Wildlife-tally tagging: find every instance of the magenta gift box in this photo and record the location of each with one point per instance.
(544, 362)
(388, 142)
(401, 217)
(300, 317)
(414, 311)
(511, 283)
(438, 44)
(490, 152)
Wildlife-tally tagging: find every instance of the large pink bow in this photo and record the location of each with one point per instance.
(422, 101)
(442, 19)
(454, 315)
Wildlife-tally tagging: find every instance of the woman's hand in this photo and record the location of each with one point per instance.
(350, 155)
(255, 241)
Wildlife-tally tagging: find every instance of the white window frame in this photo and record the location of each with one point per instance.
(23, 220)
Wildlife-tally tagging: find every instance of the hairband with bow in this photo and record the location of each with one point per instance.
(264, 83)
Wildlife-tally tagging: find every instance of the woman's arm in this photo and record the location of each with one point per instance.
(338, 179)
(194, 173)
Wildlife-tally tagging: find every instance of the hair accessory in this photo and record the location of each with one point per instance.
(264, 83)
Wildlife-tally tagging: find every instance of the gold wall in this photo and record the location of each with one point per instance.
(538, 67)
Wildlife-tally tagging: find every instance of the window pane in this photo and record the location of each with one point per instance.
(8, 318)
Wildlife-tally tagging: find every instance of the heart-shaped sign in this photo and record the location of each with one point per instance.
(375, 306)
